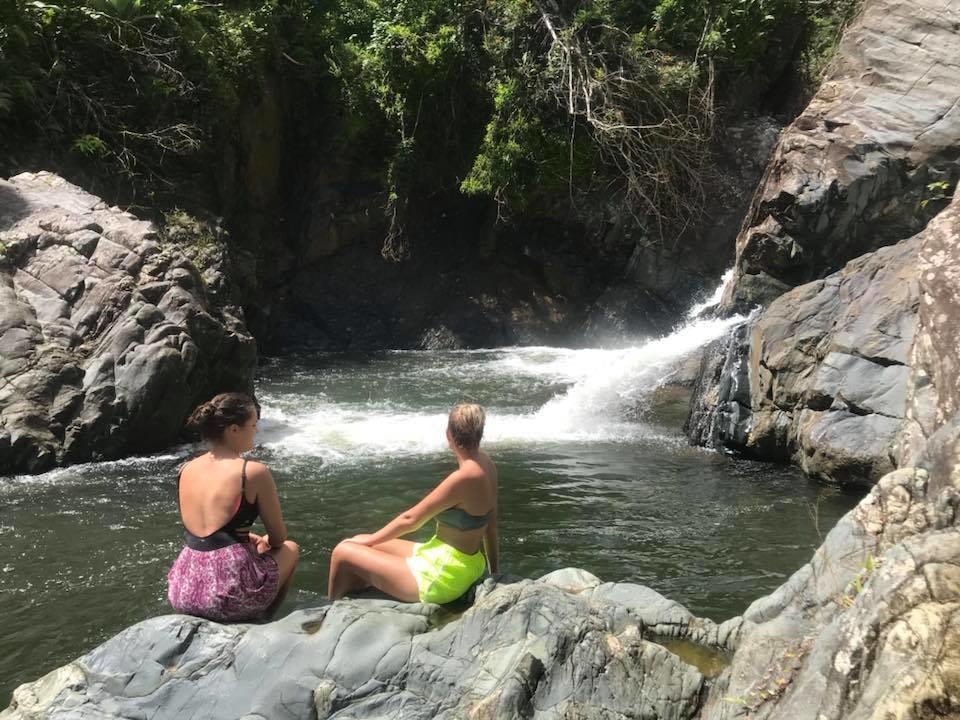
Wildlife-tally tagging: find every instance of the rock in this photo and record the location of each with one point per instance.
(440, 338)
(624, 311)
(564, 646)
(821, 376)
(856, 170)
(935, 397)
(868, 629)
(686, 370)
(107, 338)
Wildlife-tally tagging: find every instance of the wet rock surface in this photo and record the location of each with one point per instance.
(107, 336)
(566, 645)
(820, 377)
(859, 169)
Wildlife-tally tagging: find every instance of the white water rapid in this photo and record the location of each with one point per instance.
(396, 404)
(698, 309)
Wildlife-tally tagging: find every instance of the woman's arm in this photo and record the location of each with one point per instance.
(268, 503)
(445, 495)
(491, 544)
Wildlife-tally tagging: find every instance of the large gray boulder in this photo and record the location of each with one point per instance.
(561, 647)
(107, 336)
(820, 377)
(870, 628)
(860, 167)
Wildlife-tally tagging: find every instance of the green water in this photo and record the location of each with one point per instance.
(594, 474)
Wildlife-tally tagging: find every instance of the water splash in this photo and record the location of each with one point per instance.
(395, 405)
(535, 396)
(699, 308)
(624, 377)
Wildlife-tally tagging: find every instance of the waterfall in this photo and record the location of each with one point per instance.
(396, 404)
(714, 299)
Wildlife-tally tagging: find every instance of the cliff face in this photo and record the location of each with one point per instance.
(853, 378)
(868, 161)
(550, 273)
(108, 336)
(819, 375)
(870, 627)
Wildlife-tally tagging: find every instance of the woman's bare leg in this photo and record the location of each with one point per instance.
(400, 548)
(354, 566)
(287, 556)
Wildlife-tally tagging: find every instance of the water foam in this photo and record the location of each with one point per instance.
(622, 378)
(698, 308)
(598, 393)
(595, 393)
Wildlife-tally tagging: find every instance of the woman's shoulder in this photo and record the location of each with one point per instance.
(256, 470)
(479, 469)
(485, 460)
(191, 463)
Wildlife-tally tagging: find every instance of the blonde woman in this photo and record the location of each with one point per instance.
(442, 569)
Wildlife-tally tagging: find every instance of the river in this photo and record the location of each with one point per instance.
(595, 473)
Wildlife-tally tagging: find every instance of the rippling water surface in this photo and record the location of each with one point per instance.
(594, 473)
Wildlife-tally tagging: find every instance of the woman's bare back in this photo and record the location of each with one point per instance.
(210, 492)
(479, 497)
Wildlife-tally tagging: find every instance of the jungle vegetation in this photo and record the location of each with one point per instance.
(508, 99)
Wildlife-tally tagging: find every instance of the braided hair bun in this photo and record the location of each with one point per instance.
(213, 417)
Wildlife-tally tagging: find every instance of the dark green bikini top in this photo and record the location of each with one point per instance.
(462, 520)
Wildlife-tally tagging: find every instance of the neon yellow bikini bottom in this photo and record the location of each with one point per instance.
(444, 573)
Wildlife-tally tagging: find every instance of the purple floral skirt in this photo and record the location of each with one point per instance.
(230, 584)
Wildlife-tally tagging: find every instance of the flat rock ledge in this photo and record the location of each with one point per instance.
(108, 336)
(563, 646)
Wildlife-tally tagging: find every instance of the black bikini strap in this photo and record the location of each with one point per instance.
(179, 473)
(243, 477)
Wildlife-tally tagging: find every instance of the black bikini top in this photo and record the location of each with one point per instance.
(234, 530)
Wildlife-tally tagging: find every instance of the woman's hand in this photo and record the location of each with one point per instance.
(263, 544)
(362, 539)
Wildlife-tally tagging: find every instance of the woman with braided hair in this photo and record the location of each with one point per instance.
(226, 572)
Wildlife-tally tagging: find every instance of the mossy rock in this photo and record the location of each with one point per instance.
(202, 241)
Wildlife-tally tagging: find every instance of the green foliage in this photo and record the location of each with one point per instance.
(91, 146)
(937, 191)
(735, 32)
(856, 585)
(517, 151)
(194, 236)
(475, 96)
(125, 9)
(142, 89)
(826, 24)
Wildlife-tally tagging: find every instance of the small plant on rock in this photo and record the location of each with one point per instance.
(940, 190)
(855, 586)
(199, 239)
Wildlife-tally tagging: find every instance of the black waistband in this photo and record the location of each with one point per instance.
(216, 541)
